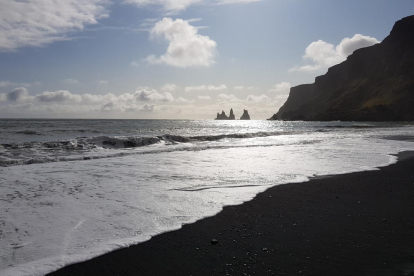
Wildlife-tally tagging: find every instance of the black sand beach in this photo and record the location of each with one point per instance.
(352, 224)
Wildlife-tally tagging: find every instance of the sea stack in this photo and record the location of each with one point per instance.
(245, 115)
(232, 117)
(223, 116)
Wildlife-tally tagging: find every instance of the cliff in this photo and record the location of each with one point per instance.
(245, 115)
(374, 84)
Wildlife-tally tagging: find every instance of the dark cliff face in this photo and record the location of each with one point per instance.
(374, 84)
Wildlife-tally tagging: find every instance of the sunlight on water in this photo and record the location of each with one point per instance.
(60, 212)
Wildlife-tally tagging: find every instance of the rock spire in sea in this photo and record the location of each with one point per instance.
(223, 116)
(245, 115)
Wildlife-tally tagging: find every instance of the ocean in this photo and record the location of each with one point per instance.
(71, 190)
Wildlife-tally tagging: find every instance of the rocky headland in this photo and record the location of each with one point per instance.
(374, 84)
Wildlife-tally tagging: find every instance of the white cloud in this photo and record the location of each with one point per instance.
(252, 102)
(186, 47)
(247, 88)
(324, 55)
(258, 99)
(184, 100)
(62, 96)
(58, 96)
(349, 45)
(228, 98)
(217, 88)
(117, 107)
(89, 98)
(169, 87)
(147, 108)
(41, 22)
(61, 102)
(17, 94)
(71, 81)
(281, 97)
(206, 87)
(281, 88)
(144, 103)
(153, 95)
(194, 20)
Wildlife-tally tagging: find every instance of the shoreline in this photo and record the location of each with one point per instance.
(352, 224)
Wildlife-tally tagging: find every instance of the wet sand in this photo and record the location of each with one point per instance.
(352, 224)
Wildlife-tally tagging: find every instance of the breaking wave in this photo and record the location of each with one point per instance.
(28, 132)
(87, 148)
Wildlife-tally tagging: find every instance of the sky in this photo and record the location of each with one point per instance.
(175, 59)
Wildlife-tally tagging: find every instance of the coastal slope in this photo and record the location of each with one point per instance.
(374, 84)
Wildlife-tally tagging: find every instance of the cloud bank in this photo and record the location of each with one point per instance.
(145, 102)
(152, 95)
(64, 104)
(324, 55)
(58, 96)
